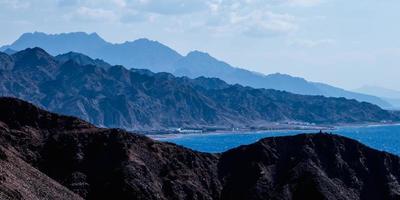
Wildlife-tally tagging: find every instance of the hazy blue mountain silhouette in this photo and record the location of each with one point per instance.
(9, 51)
(380, 91)
(141, 53)
(391, 96)
(60, 43)
(152, 55)
(197, 64)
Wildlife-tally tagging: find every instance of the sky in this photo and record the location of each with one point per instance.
(344, 43)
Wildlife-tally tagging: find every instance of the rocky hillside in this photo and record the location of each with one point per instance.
(48, 156)
(112, 96)
(96, 163)
(320, 166)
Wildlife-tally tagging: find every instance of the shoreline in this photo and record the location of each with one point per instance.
(366, 125)
(162, 136)
(241, 131)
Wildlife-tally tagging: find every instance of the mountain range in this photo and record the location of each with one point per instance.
(391, 96)
(113, 96)
(152, 55)
(49, 156)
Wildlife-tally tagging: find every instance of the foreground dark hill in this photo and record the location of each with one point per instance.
(113, 96)
(320, 166)
(94, 163)
(48, 156)
(157, 57)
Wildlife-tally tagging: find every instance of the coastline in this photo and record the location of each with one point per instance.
(366, 125)
(223, 132)
(164, 136)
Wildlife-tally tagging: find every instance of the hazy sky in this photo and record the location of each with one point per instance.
(340, 42)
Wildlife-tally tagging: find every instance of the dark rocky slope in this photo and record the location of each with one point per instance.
(141, 100)
(317, 166)
(99, 163)
(113, 164)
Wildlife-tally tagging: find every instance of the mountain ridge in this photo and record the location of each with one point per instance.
(391, 96)
(141, 100)
(149, 54)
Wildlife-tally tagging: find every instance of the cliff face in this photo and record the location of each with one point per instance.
(48, 156)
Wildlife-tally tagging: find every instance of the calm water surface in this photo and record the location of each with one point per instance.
(385, 138)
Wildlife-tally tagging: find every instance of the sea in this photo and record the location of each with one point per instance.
(380, 137)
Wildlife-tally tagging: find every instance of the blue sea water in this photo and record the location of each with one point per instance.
(384, 138)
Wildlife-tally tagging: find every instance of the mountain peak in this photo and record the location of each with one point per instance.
(9, 51)
(286, 76)
(197, 53)
(281, 75)
(39, 34)
(58, 43)
(28, 37)
(73, 54)
(94, 34)
(33, 57)
(35, 51)
(30, 34)
(145, 43)
(80, 35)
(202, 57)
(145, 40)
(81, 59)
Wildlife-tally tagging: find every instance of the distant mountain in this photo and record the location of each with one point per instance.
(197, 64)
(391, 96)
(48, 156)
(60, 43)
(380, 91)
(331, 91)
(9, 51)
(142, 100)
(152, 55)
(141, 53)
